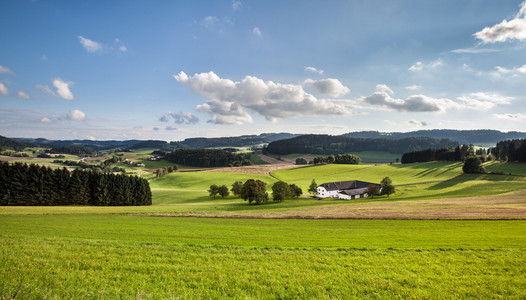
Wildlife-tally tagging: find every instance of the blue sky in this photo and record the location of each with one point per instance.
(171, 70)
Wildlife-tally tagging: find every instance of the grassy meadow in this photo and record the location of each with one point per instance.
(119, 252)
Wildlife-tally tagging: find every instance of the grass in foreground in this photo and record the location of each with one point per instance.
(139, 257)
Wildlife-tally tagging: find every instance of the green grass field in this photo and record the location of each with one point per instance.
(111, 252)
(108, 256)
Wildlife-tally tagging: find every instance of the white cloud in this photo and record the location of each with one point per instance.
(256, 31)
(22, 95)
(384, 88)
(227, 113)
(475, 50)
(4, 70)
(314, 70)
(512, 117)
(89, 45)
(514, 71)
(63, 88)
(91, 138)
(505, 30)
(329, 87)
(44, 88)
(420, 66)
(484, 101)
(123, 49)
(181, 118)
(413, 87)
(414, 103)
(3, 90)
(209, 22)
(46, 120)
(417, 123)
(75, 115)
(229, 100)
(236, 4)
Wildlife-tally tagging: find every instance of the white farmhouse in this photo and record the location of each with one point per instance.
(353, 189)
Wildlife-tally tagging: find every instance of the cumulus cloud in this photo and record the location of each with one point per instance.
(420, 66)
(328, 87)
(512, 117)
(63, 88)
(44, 88)
(164, 119)
(314, 70)
(229, 100)
(384, 88)
(226, 113)
(46, 120)
(156, 128)
(3, 90)
(22, 95)
(75, 115)
(484, 101)
(170, 128)
(4, 70)
(506, 30)
(256, 31)
(414, 103)
(89, 45)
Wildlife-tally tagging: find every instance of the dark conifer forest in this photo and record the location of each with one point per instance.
(22, 184)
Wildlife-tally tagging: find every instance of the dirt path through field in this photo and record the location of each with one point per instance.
(510, 206)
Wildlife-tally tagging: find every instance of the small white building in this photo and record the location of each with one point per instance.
(347, 190)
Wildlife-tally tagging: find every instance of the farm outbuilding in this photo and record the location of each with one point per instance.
(347, 190)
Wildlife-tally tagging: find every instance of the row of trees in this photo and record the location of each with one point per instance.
(348, 159)
(164, 171)
(511, 150)
(206, 158)
(22, 184)
(254, 190)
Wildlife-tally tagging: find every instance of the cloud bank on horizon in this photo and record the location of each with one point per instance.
(318, 70)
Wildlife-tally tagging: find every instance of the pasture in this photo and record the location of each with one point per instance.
(124, 252)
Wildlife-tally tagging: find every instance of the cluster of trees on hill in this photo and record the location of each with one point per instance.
(22, 184)
(206, 158)
(326, 144)
(443, 154)
(74, 150)
(9, 144)
(512, 150)
(348, 159)
(254, 190)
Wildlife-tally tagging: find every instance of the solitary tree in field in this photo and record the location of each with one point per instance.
(223, 191)
(280, 191)
(387, 186)
(295, 190)
(236, 188)
(373, 190)
(214, 190)
(313, 186)
(473, 165)
(254, 190)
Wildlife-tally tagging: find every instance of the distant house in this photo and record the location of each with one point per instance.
(347, 190)
(141, 165)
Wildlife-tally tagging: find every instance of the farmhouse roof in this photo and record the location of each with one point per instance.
(345, 185)
(352, 192)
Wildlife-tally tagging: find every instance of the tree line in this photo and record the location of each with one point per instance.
(326, 145)
(22, 184)
(206, 158)
(511, 150)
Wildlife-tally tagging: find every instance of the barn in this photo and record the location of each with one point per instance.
(347, 190)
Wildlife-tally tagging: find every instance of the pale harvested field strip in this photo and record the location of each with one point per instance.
(256, 169)
(510, 206)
